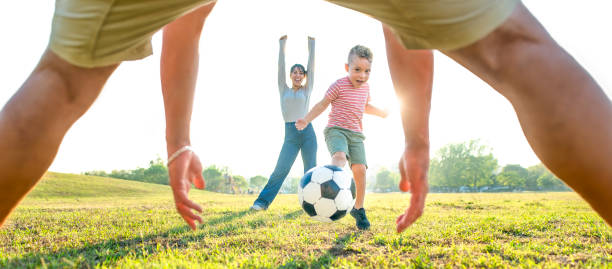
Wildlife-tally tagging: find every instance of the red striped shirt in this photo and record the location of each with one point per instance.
(348, 104)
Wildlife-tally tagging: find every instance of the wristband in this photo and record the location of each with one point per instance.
(178, 153)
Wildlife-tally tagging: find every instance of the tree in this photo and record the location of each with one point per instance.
(386, 181)
(290, 185)
(257, 182)
(215, 181)
(464, 164)
(156, 173)
(514, 176)
(544, 179)
(97, 173)
(240, 183)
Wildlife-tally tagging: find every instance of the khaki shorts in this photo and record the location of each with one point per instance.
(436, 24)
(91, 33)
(347, 141)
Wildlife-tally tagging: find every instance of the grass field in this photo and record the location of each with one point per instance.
(77, 221)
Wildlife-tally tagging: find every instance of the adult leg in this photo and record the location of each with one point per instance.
(35, 120)
(564, 114)
(283, 166)
(309, 148)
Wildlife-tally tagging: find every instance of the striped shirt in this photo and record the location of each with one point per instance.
(348, 104)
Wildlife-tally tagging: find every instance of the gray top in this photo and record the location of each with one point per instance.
(294, 103)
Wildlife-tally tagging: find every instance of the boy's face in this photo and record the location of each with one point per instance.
(359, 71)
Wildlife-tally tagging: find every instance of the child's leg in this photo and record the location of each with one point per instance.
(35, 120)
(339, 159)
(358, 166)
(565, 115)
(359, 174)
(337, 144)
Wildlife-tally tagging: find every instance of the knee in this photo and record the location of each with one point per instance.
(71, 86)
(280, 172)
(339, 159)
(358, 168)
(340, 156)
(56, 78)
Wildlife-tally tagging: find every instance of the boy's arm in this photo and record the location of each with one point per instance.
(179, 68)
(282, 76)
(373, 110)
(313, 113)
(311, 64)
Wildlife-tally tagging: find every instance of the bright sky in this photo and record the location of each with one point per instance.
(237, 120)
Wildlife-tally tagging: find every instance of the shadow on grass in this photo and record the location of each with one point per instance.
(112, 251)
(293, 214)
(263, 220)
(339, 249)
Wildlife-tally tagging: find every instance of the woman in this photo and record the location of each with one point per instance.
(294, 105)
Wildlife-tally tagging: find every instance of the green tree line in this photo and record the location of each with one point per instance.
(471, 167)
(218, 179)
(462, 167)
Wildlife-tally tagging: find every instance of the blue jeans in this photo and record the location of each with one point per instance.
(295, 141)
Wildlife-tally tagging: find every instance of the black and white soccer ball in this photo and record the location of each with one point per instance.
(326, 193)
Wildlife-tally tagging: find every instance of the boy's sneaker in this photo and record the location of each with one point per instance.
(361, 220)
(257, 207)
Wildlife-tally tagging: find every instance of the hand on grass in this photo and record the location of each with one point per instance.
(185, 170)
(413, 166)
(301, 124)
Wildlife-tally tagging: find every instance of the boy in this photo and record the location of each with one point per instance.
(349, 97)
(565, 115)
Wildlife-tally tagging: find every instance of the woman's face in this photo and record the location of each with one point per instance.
(297, 76)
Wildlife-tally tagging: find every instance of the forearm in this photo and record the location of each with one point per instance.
(412, 76)
(282, 84)
(315, 112)
(373, 110)
(311, 63)
(415, 108)
(179, 68)
(415, 122)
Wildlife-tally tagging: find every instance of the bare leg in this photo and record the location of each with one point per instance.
(565, 115)
(35, 120)
(339, 159)
(359, 174)
(412, 75)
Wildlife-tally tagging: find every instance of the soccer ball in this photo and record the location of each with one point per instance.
(326, 193)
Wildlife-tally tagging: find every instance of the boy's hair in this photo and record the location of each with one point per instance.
(301, 67)
(361, 52)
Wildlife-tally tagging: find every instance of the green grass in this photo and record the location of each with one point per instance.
(73, 221)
